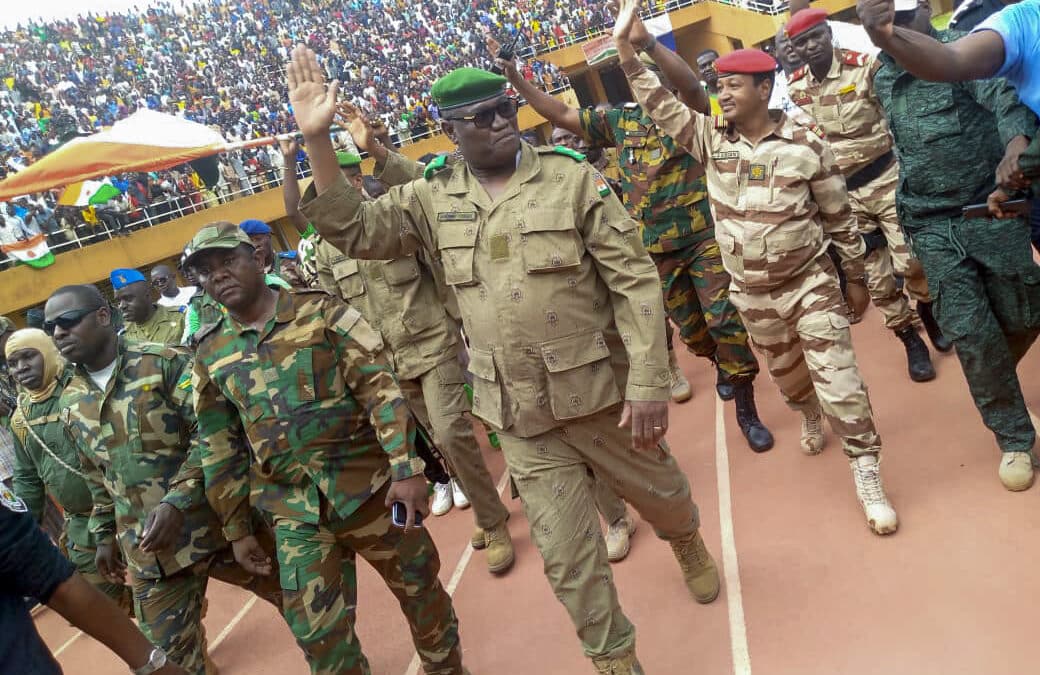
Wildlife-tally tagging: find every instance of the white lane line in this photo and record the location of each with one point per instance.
(234, 622)
(731, 570)
(59, 650)
(460, 569)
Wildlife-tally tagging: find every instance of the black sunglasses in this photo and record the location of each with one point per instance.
(482, 119)
(67, 320)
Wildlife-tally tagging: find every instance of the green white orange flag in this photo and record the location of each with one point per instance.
(33, 251)
(144, 141)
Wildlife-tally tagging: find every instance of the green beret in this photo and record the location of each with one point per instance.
(346, 159)
(464, 86)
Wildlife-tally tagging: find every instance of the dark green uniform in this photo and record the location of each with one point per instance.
(46, 463)
(950, 138)
(664, 190)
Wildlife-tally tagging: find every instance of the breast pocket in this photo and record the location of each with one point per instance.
(348, 277)
(456, 244)
(401, 271)
(581, 380)
(550, 242)
(936, 116)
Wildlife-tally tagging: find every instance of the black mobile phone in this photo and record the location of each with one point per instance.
(1019, 207)
(399, 515)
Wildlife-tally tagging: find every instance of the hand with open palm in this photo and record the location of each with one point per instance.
(314, 104)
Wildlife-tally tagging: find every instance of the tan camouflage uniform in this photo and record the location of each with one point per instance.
(846, 108)
(305, 421)
(776, 203)
(138, 448)
(165, 327)
(562, 307)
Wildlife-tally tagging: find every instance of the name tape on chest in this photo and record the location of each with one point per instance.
(723, 156)
(457, 217)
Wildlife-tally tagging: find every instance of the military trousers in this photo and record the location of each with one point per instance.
(802, 330)
(169, 610)
(554, 474)
(319, 582)
(696, 298)
(874, 206)
(83, 557)
(987, 301)
(438, 400)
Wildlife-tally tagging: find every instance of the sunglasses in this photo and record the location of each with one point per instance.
(506, 109)
(68, 320)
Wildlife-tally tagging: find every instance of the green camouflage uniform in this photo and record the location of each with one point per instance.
(665, 192)
(980, 271)
(138, 447)
(165, 327)
(305, 420)
(39, 473)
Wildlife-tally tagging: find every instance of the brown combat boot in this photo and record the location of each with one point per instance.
(499, 545)
(698, 567)
(626, 664)
(477, 541)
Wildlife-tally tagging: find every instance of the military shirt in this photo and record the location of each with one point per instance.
(307, 407)
(38, 473)
(777, 203)
(559, 298)
(138, 447)
(937, 125)
(845, 106)
(164, 327)
(663, 186)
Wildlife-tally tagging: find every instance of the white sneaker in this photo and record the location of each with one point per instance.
(1016, 470)
(457, 495)
(441, 499)
(866, 472)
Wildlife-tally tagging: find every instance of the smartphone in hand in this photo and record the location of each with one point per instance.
(399, 515)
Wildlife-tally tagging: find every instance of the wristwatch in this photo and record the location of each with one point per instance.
(156, 660)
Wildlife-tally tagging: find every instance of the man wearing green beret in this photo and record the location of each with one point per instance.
(562, 307)
(402, 299)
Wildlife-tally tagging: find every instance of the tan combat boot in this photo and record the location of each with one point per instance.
(866, 472)
(619, 537)
(698, 567)
(478, 541)
(1016, 470)
(813, 439)
(500, 554)
(681, 390)
(626, 664)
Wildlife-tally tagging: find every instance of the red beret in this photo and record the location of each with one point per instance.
(805, 19)
(745, 62)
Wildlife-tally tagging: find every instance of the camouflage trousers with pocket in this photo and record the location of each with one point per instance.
(696, 299)
(169, 610)
(555, 472)
(987, 302)
(319, 582)
(83, 559)
(438, 400)
(802, 330)
(874, 206)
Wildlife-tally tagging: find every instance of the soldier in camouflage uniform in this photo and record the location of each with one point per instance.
(981, 271)
(144, 319)
(135, 431)
(776, 203)
(46, 462)
(562, 308)
(300, 415)
(836, 88)
(664, 190)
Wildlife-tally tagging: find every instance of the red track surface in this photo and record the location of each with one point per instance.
(818, 593)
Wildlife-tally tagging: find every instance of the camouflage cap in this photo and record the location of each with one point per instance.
(220, 234)
(464, 86)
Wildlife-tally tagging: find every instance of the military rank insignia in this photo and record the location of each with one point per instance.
(601, 184)
(848, 89)
(185, 382)
(757, 172)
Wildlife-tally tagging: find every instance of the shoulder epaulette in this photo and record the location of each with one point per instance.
(798, 74)
(436, 165)
(304, 291)
(567, 152)
(852, 58)
(630, 105)
(205, 330)
(153, 348)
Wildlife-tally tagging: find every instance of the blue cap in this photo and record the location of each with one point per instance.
(254, 226)
(287, 255)
(122, 278)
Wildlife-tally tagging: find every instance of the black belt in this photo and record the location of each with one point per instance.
(870, 171)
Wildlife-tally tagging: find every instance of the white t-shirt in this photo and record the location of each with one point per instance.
(179, 301)
(101, 377)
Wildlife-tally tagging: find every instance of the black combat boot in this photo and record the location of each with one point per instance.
(758, 437)
(935, 334)
(919, 363)
(723, 386)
